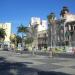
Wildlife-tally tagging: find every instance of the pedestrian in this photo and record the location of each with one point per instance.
(33, 51)
(73, 51)
(50, 52)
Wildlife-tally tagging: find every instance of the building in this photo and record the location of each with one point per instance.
(40, 32)
(43, 34)
(35, 20)
(67, 30)
(70, 29)
(7, 27)
(63, 33)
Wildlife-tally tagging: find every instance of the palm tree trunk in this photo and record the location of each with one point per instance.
(22, 41)
(70, 40)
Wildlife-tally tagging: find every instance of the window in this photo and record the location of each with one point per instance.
(0, 45)
(39, 35)
(74, 27)
(45, 35)
(71, 27)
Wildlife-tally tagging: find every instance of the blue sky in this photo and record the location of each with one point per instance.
(20, 11)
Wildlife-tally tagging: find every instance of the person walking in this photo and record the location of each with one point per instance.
(50, 52)
(33, 51)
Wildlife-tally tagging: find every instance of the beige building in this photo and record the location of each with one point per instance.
(40, 32)
(70, 28)
(7, 27)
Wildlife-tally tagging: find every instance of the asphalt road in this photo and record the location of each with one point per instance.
(64, 55)
(26, 64)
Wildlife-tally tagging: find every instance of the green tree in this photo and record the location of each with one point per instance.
(29, 40)
(18, 39)
(23, 30)
(64, 11)
(2, 34)
(15, 39)
(51, 18)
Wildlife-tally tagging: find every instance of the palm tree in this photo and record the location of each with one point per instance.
(33, 32)
(18, 39)
(51, 27)
(23, 30)
(51, 32)
(2, 34)
(28, 40)
(64, 11)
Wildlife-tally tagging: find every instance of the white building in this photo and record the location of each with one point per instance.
(40, 27)
(42, 24)
(35, 20)
(7, 27)
(70, 28)
(69, 17)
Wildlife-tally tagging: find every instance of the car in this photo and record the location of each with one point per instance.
(25, 49)
(5, 48)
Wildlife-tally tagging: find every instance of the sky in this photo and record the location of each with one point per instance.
(20, 11)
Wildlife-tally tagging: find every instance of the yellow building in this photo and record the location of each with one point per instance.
(7, 27)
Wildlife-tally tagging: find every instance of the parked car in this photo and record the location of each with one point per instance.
(5, 48)
(25, 49)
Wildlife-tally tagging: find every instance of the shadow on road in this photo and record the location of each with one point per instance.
(51, 73)
(19, 68)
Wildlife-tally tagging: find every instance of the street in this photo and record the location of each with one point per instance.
(12, 63)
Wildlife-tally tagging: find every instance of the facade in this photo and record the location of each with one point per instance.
(61, 34)
(7, 27)
(66, 33)
(40, 32)
(43, 35)
(42, 39)
(35, 20)
(70, 29)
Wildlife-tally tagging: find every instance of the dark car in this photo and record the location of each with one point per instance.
(25, 49)
(5, 48)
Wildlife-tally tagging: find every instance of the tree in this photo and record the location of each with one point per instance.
(15, 39)
(64, 11)
(33, 29)
(23, 30)
(51, 30)
(29, 40)
(33, 33)
(51, 17)
(2, 34)
(12, 38)
(18, 39)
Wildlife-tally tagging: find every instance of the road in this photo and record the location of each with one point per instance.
(64, 54)
(26, 64)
